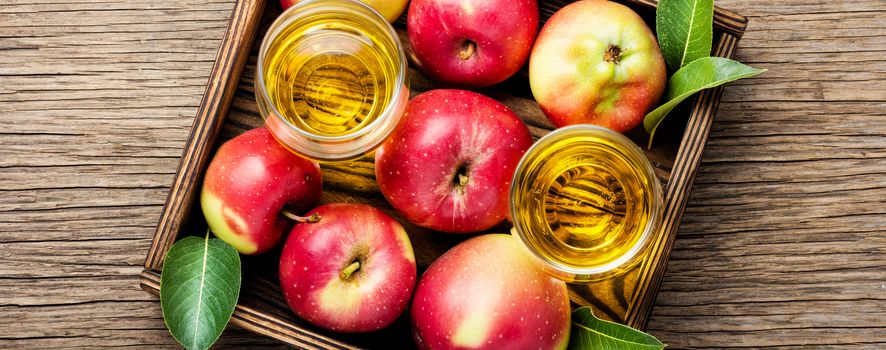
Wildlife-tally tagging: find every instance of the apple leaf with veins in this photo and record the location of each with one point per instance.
(199, 287)
(590, 332)
(685, 30)
(701, 74)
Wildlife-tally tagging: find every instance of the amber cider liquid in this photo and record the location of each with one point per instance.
(586, 203)
(331, 75)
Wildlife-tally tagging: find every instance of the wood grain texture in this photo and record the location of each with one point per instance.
(223, 81)
(676, 193)
(783, 243)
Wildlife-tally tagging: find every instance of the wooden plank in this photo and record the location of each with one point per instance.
(676, 194)
(96, 99)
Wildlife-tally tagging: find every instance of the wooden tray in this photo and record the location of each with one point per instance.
(228, 108)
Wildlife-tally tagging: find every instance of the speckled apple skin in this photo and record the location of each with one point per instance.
(503, 31)
(442, 130)
(486, 293)
(250, 180)
(573, 83)
(315, 254)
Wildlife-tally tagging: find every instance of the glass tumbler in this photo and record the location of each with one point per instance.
(331, 79)
(585, 203)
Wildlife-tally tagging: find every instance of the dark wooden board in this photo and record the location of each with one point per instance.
(228, 109)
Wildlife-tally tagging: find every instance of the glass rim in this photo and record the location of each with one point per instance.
(283, 21)
(557, 268)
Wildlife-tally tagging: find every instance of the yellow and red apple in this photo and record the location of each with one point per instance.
(596, 62)
(487, 293)
(352, 271)
(250, 181)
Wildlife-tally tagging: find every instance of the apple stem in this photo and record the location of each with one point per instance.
(462, 179)
(346, 273)
(467, 50)
(302, 219)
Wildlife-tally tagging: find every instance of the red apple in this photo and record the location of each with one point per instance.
(352, 271)
(389, 9)
(472, 43)
(596, 62)
(251, 179)
(487, 293)
(449, 164)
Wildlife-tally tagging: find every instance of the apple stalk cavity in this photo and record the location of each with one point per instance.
(449, 164)
(596, 62)
(467, 50)
(613, 54)
(352, 271)
(471, 43)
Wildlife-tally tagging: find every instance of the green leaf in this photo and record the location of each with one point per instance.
(685, 30)
(591, 333)
(199, 287)
(701, 74)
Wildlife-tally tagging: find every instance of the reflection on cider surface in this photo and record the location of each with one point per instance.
(328, 76)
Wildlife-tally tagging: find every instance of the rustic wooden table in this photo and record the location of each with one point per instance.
(782, 245)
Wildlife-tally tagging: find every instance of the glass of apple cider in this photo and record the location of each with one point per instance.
(331, 80)
(585, 202)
